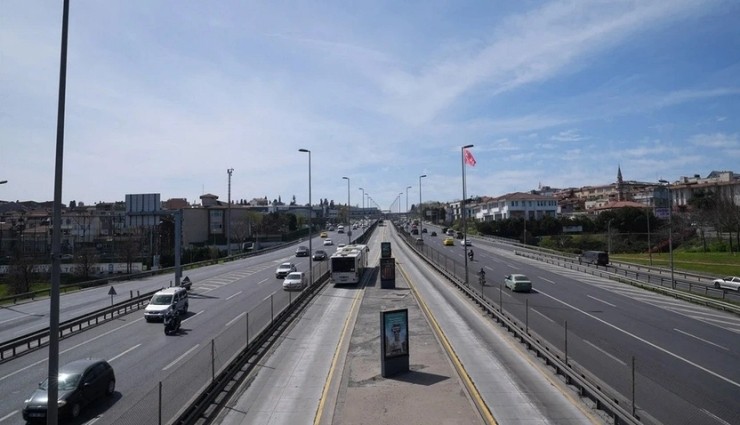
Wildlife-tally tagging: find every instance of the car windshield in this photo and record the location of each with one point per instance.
(67, 382)
(162, 300)
(294, 276)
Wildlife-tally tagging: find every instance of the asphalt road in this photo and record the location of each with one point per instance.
(685, 355)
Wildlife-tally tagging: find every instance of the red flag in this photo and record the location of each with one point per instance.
(469, 159)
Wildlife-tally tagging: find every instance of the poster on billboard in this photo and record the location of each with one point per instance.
(396, 333)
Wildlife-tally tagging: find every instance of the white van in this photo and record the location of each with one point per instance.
(164, 301)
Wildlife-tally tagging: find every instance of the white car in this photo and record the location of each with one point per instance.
(328, 242)
(729, 282)
(284, 269)
(295, 280)
(467, 242)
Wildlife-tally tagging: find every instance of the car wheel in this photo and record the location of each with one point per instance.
(74, 412)
(716, 285)
(111, 387)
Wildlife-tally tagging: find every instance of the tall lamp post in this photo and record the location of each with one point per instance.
(407, 199)
(228, 220)
(349, 232)
(421, 216)
(462, 210)
(362, 214)
(670, 228)
(310, 214)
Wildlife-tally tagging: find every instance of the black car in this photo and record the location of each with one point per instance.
(80, 383)
(319, 255)
(302, 251)
(433, 233)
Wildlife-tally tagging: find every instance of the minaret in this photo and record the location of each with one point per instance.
(620, 184)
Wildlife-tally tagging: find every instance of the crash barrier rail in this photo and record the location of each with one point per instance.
(35, 340)
(695, 292)
(606, 398)
(189, 390)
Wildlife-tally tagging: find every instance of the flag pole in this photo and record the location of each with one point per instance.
(464, 212)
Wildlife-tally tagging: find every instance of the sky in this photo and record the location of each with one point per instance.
(166, 96)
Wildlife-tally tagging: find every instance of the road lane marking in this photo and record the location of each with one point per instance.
(546, 280)
(70, 349)
(181, 357)
(601, 301)
(232, 321)
(604, 352)
(701, 339)
(9, 415)
(541, 314)
(262, 281)
(644, 341)
(715, 417)
(232, 296)
(125, 352)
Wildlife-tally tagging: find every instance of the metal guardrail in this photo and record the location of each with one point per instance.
(35, 340)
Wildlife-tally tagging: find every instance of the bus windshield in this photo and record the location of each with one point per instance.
(343, 264)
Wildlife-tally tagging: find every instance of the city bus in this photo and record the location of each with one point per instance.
(348, 264)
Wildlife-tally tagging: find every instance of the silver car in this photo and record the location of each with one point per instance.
(295, 280)
(729, 282)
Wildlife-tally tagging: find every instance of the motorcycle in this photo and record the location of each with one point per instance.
(470, 255)
(172, 323)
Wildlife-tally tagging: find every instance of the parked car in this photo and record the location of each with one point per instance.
(284, 269)
(328, 242)
(295, 280)
(518, 282)
(729, 282)
(449, 241)
(80, 383)
(320, 255)
(301, 251)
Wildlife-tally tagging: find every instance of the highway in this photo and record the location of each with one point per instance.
(685, 355)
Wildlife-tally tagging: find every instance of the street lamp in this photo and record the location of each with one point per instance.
(362, 214)
(670, 228)
(465, 225)
(407, 199)
(310, 208)
(421, 217)
(228, 220)
(349, 232)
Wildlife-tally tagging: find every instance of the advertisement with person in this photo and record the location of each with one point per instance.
(396, 333)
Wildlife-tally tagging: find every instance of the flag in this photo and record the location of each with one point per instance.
(469, 159)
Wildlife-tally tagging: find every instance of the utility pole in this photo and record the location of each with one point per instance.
(228, 220)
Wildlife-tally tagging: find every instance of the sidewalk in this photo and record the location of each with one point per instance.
(430, 393)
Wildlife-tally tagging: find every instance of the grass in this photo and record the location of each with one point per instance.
(718, 264)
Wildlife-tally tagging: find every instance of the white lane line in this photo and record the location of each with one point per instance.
(14, 318)
(601, 301)
(644, 341)
(701, 339)
(715, 417)
(262, 281)
(545, 317)
(125, 352)
(232, 296)
(546, 280)
(231, 322)
(69, 349)
(9, 415)
(188, 318)
(604, 352)
(181, 357)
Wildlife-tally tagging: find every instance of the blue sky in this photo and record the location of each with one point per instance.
(165, 96)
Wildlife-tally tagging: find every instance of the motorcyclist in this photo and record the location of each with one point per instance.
(172, 321)
(470, 254)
